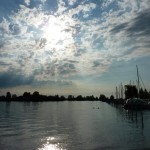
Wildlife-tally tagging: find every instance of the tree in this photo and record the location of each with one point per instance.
(146, 95)
(8, 95)
(27, 94)
(14, 96)
(79, 97)
(111, 97)
(36, 94)
(70, 97)
(62, 98)
(141, 93)
(102, 97)
(131, 91)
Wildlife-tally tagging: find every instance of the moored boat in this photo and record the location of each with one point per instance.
(136, 104)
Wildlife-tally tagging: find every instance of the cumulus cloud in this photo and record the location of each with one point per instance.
(74, 38)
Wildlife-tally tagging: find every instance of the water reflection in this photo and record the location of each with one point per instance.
(51, 143)
(72, 125)
(136, 117)
(7, 107)
(48, 146)
(132, 116)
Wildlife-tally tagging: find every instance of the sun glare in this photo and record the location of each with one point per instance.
(52, 31)
(51, 144)
(50, 147)
(56, 33)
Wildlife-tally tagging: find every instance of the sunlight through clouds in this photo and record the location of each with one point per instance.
(57, 32)
(68, 39)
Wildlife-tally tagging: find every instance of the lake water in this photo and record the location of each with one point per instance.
(72, 126)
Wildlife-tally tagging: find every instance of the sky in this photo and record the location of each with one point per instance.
(73, 46)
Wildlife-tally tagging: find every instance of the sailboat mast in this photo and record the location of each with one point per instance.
(116, 92)
(121, 90)
(138, 81)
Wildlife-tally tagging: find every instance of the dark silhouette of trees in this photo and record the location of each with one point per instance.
(70, 97)
(143, 94)
(14, 96)
(26, 94)
(102, 97)
(131, 91)
(62, 98)
(8, 95)
(112, 98)
(79, 98)
(36, 93)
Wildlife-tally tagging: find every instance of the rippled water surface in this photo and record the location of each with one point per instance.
(72, 126)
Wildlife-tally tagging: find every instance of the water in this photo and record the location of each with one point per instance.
(72, 126)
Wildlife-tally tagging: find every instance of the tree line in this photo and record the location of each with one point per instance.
(131, 91)
(35, 96)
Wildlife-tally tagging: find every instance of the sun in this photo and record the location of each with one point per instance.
(55, 31)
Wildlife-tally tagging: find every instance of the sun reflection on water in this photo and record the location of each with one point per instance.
(51, 143)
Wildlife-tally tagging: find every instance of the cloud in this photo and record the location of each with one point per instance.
(12, 79)
(41, 43)
(60, 39)
(66, 69)
(72, 2)
(54, 83)
(138, 26)
(96, 63)
(4, 27)
(135, 33)
(119, 28)
(27, 2)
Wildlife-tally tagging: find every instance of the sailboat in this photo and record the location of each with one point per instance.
(136, 103)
